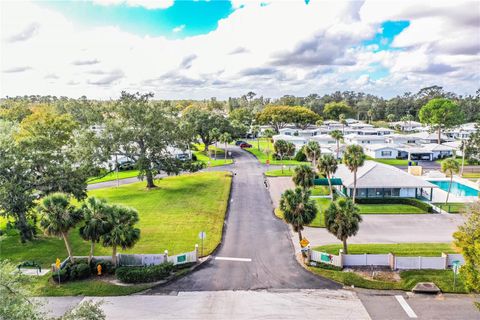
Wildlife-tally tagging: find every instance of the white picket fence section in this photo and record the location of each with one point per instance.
(366, 260)
(386, 260)
(324, 257)
(405, 263)
(455, 257)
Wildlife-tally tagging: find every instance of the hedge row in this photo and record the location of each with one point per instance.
(410, 201)
(144, 274)
(81, 270)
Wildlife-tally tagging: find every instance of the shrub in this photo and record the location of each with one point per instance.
(144, 274)
(410, 201)
(79, 271)
(300, 156)
(63, 275)
(194, 157)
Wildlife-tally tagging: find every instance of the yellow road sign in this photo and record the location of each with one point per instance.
(304, 242)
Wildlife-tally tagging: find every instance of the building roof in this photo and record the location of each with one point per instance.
(429, 136)
(380, 146)
(288, 138)
(378, 175)
(354, 136)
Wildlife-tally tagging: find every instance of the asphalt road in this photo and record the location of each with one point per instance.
(256, 252)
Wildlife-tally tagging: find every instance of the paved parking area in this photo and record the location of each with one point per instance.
(382, 228)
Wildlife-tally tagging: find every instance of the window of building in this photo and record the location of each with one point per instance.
(395, 192)
(386, 153)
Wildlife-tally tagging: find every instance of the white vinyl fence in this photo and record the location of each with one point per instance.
(386, 260)
(184, 258)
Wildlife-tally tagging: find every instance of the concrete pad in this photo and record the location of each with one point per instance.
(57, 306)
(306, 304)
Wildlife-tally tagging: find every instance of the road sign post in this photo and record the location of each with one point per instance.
(455, 268)
(202, 235)
(57, 264)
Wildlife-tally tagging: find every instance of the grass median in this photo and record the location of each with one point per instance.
(171, 216)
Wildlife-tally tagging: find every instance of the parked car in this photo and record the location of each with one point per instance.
(239, 142)
(245, 145)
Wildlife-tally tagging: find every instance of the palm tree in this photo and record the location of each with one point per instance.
(343, 121)
(268, 133)
(342, 219)
(95, 212)
(303, 176)
(59, 216)
(255, 132)
(319, 122)
(449, 167)
(312, 151)
(225, 138)
(298, 209)
(354, 158)
(327, 165)
(391, 117)
(370, 115)
(123, 232)
(338, 136)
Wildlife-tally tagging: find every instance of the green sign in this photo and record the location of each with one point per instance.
(456, 266)
(325, 257)
(182, 258)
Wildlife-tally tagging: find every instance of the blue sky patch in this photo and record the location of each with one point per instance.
(182, 19)
(383, 39)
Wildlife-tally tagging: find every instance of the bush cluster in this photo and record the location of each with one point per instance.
(81, 270)
(410, 201)
(300, 156)
(144, 274)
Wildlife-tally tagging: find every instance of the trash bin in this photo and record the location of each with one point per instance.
(409, 163)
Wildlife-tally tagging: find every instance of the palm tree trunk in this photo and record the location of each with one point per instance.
(225, 151)
(67, 245)
(439, 135)
(92, 249)
(258, 144)
(114, 255)
(354, 184)
(338, 147)
(300, 234)
(449, 187)
(330, 185)
(345, 248)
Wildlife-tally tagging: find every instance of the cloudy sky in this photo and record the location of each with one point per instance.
(201, 49)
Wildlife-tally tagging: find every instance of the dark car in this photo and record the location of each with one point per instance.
(245, 145)
(239, 142)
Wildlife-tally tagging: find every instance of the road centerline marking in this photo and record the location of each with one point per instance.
(233, 259)
(408, 310)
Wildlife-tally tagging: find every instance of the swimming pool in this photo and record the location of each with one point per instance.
(458, 189)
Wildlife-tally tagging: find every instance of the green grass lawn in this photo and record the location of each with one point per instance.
(459, 160)
(43, 286)
(113, 176)
(399, 249)
(320, 191)
(202, 157)
(171, 216)
(389, 209)
(453, 207)
(287, 172)
(392, 162)
(319, 221)
(261, 154)
(474, 176)
(409, 278)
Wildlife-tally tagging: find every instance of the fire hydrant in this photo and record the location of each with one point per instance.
(99, 269)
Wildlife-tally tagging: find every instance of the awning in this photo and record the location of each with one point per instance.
(324, 182)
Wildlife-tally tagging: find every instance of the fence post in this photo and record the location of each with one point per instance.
(196, 252)
(420, 262)
(445, 260)
(309, 255)
(391, 261)
(366, 259)
(165, 256)
(340, 255)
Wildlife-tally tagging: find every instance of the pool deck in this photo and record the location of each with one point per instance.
(440, 195)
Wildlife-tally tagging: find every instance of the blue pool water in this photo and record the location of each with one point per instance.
(458, 189)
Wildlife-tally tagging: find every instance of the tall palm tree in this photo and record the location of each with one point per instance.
(370, 115)
(225, 138)
(354, 158)
(303, 176)
(255, 132)
(390, 117)
(123, 232)
(95, 212)
(312, 151)
(449, 167)
(298, 209)
(342, 219)
(59, 216)
(338, 136)
(343, 121)
(327, 165)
